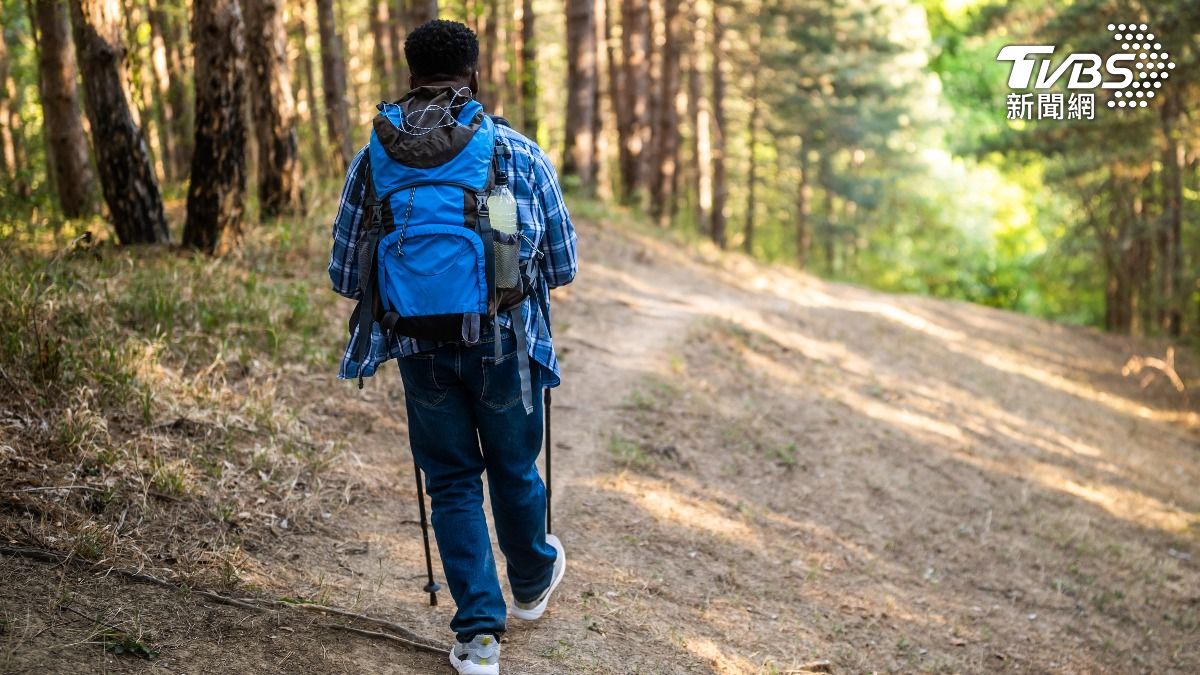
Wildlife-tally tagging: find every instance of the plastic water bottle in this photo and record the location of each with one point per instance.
(502, 206)
(506, 246)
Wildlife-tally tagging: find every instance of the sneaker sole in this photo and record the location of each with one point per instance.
(468, 668)
(536, 612)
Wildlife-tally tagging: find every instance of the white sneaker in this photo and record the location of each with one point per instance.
(480, 656)
(533, 610)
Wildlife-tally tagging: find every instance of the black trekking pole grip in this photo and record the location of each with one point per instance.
(549, 473)
(432, 587)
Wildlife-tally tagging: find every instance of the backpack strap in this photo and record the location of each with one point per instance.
(516, 316)
(365, 311)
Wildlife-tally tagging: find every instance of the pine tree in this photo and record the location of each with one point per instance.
(123, 162)
(279, 181)
(66, 145)
(216, 191)
(579, 158)
(333, 73)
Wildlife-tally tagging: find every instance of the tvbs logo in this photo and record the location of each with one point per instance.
(1132, 75)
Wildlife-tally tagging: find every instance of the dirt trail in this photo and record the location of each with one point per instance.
(756, 470)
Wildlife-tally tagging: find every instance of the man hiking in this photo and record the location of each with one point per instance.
(450, 233)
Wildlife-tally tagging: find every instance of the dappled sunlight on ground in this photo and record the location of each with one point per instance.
(675, 510)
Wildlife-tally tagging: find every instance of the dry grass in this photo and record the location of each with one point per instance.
(145, 421)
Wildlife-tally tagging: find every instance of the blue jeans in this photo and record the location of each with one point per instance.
(465, 417)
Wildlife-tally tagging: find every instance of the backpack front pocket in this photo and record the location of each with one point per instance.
(432, 270)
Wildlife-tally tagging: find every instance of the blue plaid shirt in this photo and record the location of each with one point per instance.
(545, 226)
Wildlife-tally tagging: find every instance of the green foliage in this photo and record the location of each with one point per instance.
(120, 642)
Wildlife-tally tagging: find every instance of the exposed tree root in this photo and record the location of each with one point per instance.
(397, 632)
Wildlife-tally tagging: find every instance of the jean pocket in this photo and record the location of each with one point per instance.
(420, 380)
(501, 383)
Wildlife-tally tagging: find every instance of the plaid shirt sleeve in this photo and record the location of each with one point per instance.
(343, 270)
(558, 243)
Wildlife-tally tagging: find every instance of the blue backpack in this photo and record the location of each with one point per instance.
(430, 266)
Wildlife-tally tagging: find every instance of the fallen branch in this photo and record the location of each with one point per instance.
(52, 488)
(401, 631)
(1136, 364)
(387, 636)
(403, 635)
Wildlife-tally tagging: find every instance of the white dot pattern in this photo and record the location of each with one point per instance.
(1150, 64)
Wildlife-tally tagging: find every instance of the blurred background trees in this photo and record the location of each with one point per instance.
(864, 140)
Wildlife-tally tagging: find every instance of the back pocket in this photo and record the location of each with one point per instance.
(432, 270)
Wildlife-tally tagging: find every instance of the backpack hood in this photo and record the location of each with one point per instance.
(401, 127)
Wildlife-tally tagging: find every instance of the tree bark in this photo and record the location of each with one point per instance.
(396, 21)
(720, 189)
(701, 164)
(666, 136)
(310, 94)
(11, 141)
(160, 64)
(381, 48)
(492, 56)
(755, 111)
(333, 72)
(804, 208)
(126, 175)
(165, 21)
(65, 142)
(1171, 249)
(529, 79)
(142, 76)
(7, 160)
(279, 181)
(579, 157)
(633, 109)
(215, 195)
(752, 174)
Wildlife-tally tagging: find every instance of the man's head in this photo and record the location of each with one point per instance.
(441, 51)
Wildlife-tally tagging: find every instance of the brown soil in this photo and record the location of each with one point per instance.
(754, 471)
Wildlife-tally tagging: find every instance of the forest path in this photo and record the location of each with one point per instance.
(754, 471)
(757, 470)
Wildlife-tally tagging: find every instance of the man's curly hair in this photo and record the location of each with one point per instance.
(441, 47)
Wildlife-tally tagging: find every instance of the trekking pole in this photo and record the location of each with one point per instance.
(549, 475)
(432, 587)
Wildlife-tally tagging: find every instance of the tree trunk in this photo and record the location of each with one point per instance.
(493, 57)
(804, 208)
(421, 11)
(529, 78)
(169, 25)
(701, 164)
(160, 64)
(752, 177)
(7, 160)
(579, 158)
(333, 72)
(141, 77)
(666, 136)
(352, 67)
(720, 189)
(381, 49)
(126, 176)
(11, 142)
(602, 124)
(310, 94)
(214, 204)
(633, 108)
(65, 142)
(396, 20)
(1171, 253)
(279, 181)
